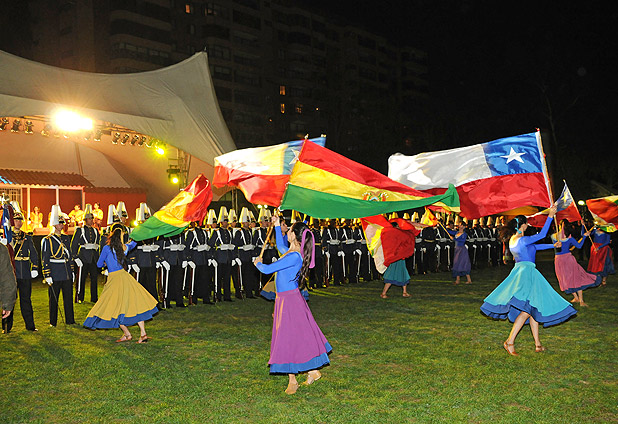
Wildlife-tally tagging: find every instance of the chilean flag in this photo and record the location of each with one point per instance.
(490, 178)
(566, 209)
(260, 172)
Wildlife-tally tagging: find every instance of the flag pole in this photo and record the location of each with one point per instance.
(550, 190)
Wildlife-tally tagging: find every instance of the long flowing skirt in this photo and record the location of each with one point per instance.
(123, 301)
(571, 276)
(601, 260)
(461, 262)
(397, 274)
(297, 343)
(526, 290)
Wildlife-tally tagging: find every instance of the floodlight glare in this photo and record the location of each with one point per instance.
(69, 121)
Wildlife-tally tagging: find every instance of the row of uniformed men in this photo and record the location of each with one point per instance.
(434, 248)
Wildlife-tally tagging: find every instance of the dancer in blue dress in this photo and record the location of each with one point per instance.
(525, 296)
(297, 343)
(461, 259)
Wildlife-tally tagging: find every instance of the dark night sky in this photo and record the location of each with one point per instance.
(494, 67)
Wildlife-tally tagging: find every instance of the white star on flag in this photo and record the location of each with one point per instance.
(514, 156)
(295, 158)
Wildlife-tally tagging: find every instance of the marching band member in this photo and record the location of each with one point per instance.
(85, 248)
(26, 268)
(224, 253)
(243, 241)
(57, 264)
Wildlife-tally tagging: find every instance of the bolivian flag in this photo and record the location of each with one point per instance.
(604, 210)
(260, 172)
(324, 184)
(191, 204)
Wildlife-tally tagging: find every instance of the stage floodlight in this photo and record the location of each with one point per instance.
(16, 124)
(47, 129)
(69, 121)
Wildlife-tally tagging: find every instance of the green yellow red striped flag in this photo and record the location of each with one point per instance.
(191, 204)
(324, 184)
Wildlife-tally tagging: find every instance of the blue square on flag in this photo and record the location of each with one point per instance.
(513, 155)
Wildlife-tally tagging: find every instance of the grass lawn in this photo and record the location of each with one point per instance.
(428, 359)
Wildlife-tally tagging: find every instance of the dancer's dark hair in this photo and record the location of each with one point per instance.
(307, 251)
(115, 242)
(512, 227)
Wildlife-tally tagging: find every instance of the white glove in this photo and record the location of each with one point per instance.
(327, 255)
(165, 265)
(34, 273)
(49, 281)
(358, 252)
(158, 265)
(136, 267)
(340, 253)
(184, 264)
(3, 241)
(214, 263)
(104, 272)
(238, 262)
(253, 259)
(79, 262)
(191, 264)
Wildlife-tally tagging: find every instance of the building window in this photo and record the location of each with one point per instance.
(222, 72)
(282, 90)
(188, 8)
(282, 107)
(299, 108)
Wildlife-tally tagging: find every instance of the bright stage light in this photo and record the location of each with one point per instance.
(581, 202)
(69, 121)
(174, 180)
(160, 149)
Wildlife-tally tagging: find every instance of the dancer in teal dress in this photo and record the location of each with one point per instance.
(525, 296)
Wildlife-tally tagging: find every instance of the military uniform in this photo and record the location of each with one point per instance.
(173, 253)
(330, 237)
(224, 252)
(57, 264)
(316, 274)
(26, 268)
(429, 236)
(349, 257)
(86, 246)
(198, 254)
(146, 255)
(270, 254)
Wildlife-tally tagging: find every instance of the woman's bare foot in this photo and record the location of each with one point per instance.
(584, 304)
(574, 300)
(406, 295)
(383, 296)
(124, 338)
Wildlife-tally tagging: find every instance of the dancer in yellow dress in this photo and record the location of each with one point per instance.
(124, 301)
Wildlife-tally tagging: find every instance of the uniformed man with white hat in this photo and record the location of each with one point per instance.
(85, 248)
(57, 266)
(224, 253)
(245, 249)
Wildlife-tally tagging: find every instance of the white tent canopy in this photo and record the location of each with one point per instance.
(176, 104)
